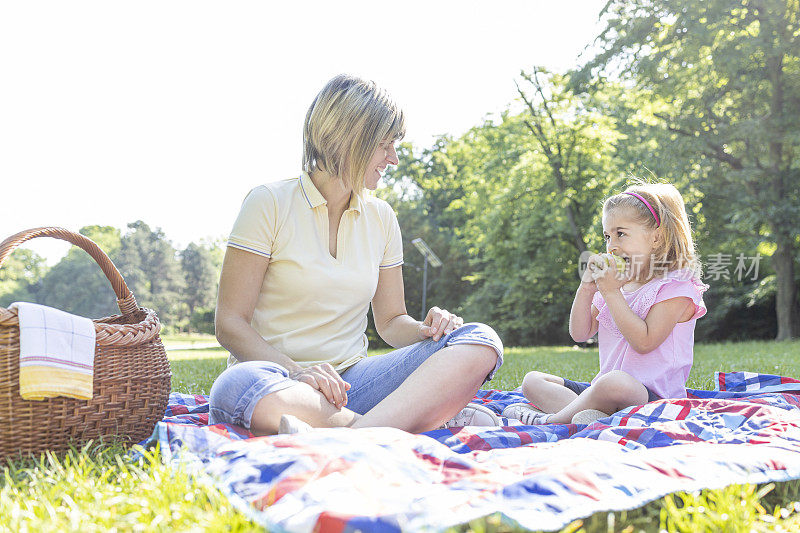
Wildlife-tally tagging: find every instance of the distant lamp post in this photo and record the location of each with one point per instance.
(431, 258)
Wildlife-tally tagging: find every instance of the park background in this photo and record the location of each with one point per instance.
(705, 95)
(144, 125)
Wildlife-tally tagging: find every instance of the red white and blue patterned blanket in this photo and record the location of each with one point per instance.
(537, 477)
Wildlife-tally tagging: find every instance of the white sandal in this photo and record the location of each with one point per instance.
(525, 413)
(474, 414)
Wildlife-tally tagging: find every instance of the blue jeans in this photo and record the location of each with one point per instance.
(238, 389)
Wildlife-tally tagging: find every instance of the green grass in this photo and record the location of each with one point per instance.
(188, 338)
(96, 489)
(781, 358)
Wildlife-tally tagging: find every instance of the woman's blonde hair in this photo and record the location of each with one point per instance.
(346, 122)
(675, 249)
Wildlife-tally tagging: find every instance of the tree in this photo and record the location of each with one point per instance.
(544, 211)
(108, 238)
(20, 276)
(200, 274)
(76, 284)
(509, 206)
(150, 265)
(421, 189)
(729, 76)
(569, 135)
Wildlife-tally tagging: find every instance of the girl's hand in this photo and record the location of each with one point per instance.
(326, 380)
(593, 265)
(612, 274)
(439, 322)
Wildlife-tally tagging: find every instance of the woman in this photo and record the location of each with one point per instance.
(306, 258)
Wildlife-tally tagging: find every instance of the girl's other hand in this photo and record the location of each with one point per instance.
(439, 322)
(593, 265)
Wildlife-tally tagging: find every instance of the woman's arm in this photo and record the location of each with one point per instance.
(392, 321)
(239, 286)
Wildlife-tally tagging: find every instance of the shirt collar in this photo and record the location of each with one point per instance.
(314, 198)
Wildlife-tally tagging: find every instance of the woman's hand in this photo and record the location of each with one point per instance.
(439, 322)
(326, 380)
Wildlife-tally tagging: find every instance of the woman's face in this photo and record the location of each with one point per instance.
(383, 156)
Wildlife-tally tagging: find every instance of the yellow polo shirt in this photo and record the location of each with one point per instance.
(313, 307)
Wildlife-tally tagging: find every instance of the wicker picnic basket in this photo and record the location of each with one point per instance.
(131, 373)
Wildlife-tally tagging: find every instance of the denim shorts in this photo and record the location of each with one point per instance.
(238, 389)
(579, 386)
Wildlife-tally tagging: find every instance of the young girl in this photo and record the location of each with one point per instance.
(642, 298)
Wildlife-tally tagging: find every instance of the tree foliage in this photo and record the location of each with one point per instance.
(20, 277)
(201, 275)
(150, 265)
(76, 284)
(510, 206)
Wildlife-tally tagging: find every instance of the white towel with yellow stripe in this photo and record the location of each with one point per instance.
(56, 353)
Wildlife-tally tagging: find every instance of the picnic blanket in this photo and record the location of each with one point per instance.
(747, 430)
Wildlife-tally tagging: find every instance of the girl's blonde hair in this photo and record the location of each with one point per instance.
(675, 249)
(346, 122)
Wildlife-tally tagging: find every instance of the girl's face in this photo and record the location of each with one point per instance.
(383, 156)
(629, 239)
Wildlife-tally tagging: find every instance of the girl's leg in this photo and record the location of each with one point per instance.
(610, 393)
(546, 391)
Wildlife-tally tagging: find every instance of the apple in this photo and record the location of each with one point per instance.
(615, 260)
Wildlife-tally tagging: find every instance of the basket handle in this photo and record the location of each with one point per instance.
(125, 299)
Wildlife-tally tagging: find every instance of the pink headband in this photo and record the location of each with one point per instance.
(650, 207)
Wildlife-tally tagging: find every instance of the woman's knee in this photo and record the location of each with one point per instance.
(267, 410)
(479, 333)
(471, 358)
(490, 351)
(238, 389)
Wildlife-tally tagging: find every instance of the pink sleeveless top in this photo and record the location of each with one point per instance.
(666, 369)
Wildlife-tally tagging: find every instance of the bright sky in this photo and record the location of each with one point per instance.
(170, 112)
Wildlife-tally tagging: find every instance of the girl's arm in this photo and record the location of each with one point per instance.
(392, 321)
(583, 315)
(646, 335)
